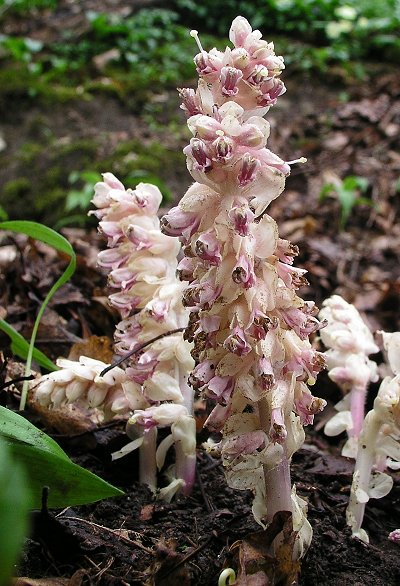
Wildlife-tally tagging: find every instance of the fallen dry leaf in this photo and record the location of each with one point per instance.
(146, 513)
(97, 347)
(257, 563)
(69, 420)
(168, 568)
(75, 580)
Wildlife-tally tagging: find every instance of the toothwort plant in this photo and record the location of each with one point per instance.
(153, 389)
(350, 342)
(378, 444)
(374, 438)
(249, 327)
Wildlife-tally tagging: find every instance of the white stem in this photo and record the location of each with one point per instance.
(357, 408)
(185, 467)
(362, 471)
(278, 487)
(147, 459)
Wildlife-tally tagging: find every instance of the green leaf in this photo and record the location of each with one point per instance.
(365, 202)
(47, 464)
(15, 502)
(15, 427)
(326, 191)
(3, 214)
(347, 199)
(20, 347)
(39, 232)
(68, 483)
(353, 182)
(52, 238)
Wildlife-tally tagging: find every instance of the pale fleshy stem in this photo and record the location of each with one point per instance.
(185, 468)
(362, 471)
(185, 459)
(278, 489)
(278, 486)
(147, 459)
(357, 408)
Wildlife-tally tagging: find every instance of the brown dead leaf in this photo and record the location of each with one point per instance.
(146, 513)
(24, 581)
(168, 568)
(336, 142)
(75, 580)
(68, 294)
(369, 298)
(256, 562)
(53, 329)
(69, 420)
(296, 230)
(97, 347)
(373, 110)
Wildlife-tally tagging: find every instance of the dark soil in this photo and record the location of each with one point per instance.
(345, 128)
(135, 540)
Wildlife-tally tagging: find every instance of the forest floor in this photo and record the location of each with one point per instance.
(347, 129)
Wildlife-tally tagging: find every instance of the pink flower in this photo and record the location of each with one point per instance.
(243, 273)
(306, 405)
(220, 388)
(241, 217)
(202, 374)
(237, 343)
(302, 320)
(208, 248)
(179, 223)
(248, 170)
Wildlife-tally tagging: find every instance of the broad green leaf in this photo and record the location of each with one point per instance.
(15, 427)
(20, 347)
(68, 483)
(52, 238)
(15, 502)
(47, 464)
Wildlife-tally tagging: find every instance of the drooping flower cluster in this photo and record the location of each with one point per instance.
(350, 342)
(141, 262)
(378, 443)
(80, 382)
(373, 440)
(249, 327)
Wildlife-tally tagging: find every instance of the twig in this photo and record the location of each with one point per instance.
(113, 531)
(138, 349)
(187, 557)
(208, 504)
(19, 379)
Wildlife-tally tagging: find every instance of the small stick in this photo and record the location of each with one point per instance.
(138, 349)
